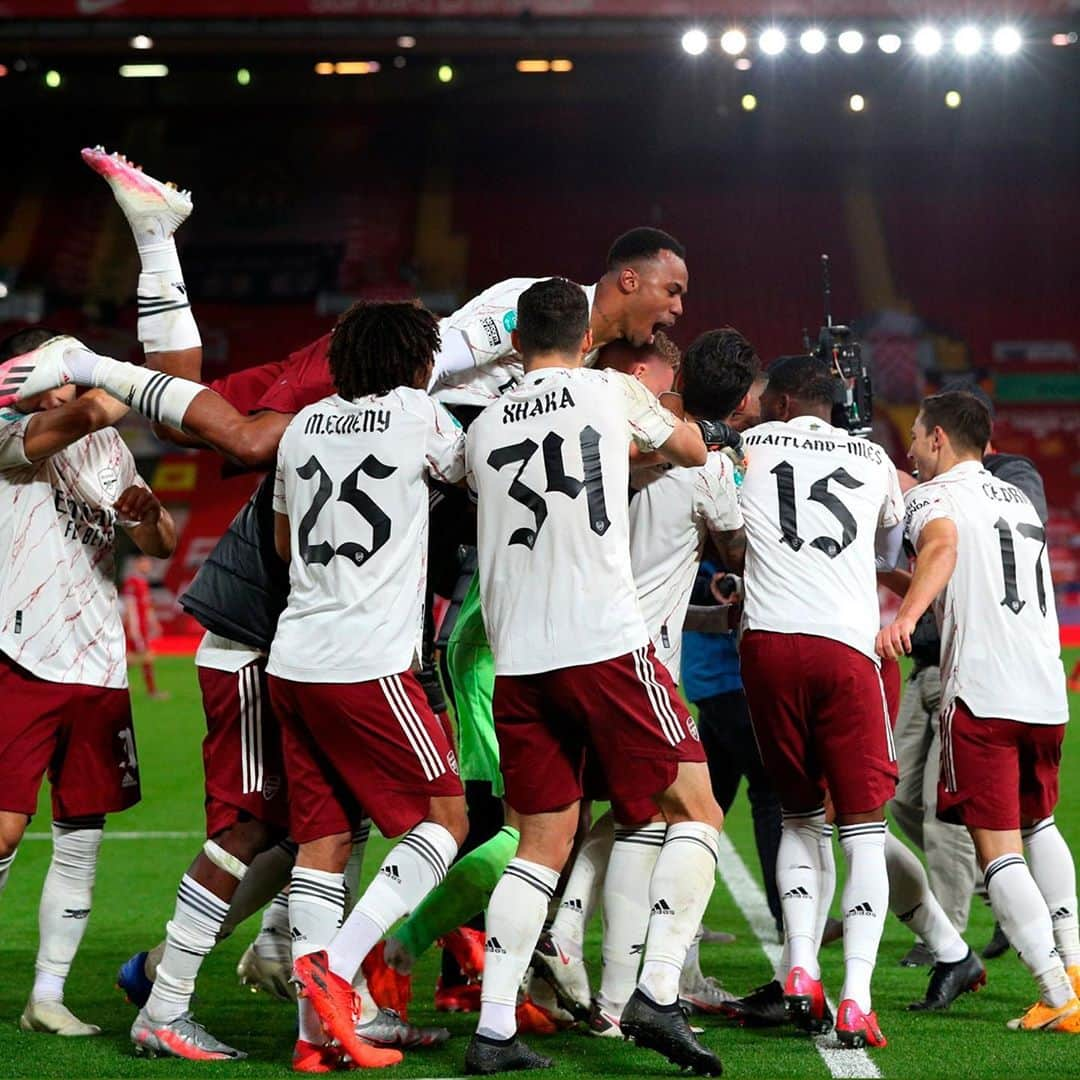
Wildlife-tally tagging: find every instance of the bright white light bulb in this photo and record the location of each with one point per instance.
(733, 42)
(889, 43)
(927, 40)
(1007, 41)
(812, 40)
(967, 41)
(850, 41)
(856, 103)
(772, 41)
(695, 41)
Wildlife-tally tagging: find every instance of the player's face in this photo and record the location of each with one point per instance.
(749, 412)
(924, 450)
(656, 374)
(653, 294)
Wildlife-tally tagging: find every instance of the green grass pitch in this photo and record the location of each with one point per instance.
(134, 897)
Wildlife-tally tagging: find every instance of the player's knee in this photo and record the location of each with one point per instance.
(690, 797)
(451, 814)
(12, 827)
(247, 839)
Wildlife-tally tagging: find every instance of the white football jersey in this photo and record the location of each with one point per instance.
(672, 511)
(550, 466)
(813, 498)
(352, 478)
(58, 604)
(1000, 649)
(487, 322)
(222, 654)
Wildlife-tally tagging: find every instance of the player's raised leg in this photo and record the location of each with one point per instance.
(154, 211)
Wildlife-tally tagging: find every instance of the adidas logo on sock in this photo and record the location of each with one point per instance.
(798, 893)
(860, 909)
(76, 913)
(573, 905)
(662, 907)
(391, 872)
(296, 934)
(1061, 913)
(493, 946)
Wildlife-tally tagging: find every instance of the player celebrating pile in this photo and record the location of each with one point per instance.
(351, 500)
(573, 662)
(982, 563)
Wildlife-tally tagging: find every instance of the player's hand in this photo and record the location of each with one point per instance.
(138, 506)
(726, 588)
(894, 640)
(110, 410)
(718, 435)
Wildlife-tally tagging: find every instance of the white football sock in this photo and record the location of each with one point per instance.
(583, 888)
(165, 322)
(274, 939)
(679, 892)
(1025, 918)
(798, 879)
(515, 917)
(265, 879)
(355, 864)
(159, 397)
(1051, 864)
(826, 880)
(626, 911)
(5, 868)
(865, 900)
(65, 906)
(913, 903)
(316, 900)
(189, 936)
(411, 869)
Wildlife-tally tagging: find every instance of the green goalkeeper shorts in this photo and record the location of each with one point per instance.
(472, 670)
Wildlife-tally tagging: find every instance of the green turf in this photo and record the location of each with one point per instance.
(134, 897)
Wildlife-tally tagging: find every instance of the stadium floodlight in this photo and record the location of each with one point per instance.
(749, 102)
(744, 63)
(695, 41)
(967, 41)
(733, 42)
(356, 67)
(1007, 41)
(889, 43)
(812, 40)
(953, 100)
(533, 67)
(856, 103)
(850, 41)
(143, 71)
(1063, 40)
(53, 79)
(772, 41)
(445, 73)
(324, 67)
(561, 67)
(243, 77)
(406, 41)
(927, 40)
(141, 41)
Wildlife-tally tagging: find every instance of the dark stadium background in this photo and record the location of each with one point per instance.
(953, 232)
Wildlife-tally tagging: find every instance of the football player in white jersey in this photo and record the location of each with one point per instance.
(67, 481)
(550, 466)
(814, 499)
(359, 737)
(982, 564)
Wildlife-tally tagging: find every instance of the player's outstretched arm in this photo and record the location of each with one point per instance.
(936, 561)
(53, 430)
(151, 525)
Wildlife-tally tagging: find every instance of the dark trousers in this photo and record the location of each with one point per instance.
(728, 739)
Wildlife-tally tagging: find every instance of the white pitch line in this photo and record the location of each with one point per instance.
(750, 897)
(129, 835)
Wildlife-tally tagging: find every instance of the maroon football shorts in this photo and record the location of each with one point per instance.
(625, 710)
(352, 750)
(820, 720)
(996, 774)
(242, 750)
(81, 736)
(892, 682)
